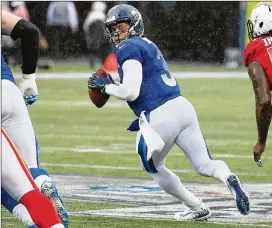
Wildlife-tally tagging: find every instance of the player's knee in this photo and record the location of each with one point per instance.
(208, 167)
(204, 168)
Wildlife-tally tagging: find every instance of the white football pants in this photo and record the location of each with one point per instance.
(17, 123)
(16, 178)
(176, 122)
(18, 128)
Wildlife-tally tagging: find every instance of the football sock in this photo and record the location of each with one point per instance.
(20, 212)
(41, 210)
(17, 209)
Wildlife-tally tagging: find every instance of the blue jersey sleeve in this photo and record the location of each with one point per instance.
(128, 51)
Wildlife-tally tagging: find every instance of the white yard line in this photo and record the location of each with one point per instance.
(136, 168)
(130, 150)
(179, 75)
(131, 138)
(88, 137)
(82, 103)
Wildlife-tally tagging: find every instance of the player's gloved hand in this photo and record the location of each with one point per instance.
(98, 82)
(110, 77)
(29, 88)
(258, 149)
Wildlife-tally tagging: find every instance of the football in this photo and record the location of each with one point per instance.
(99, 99)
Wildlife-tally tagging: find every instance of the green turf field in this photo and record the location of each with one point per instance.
(66, 121)
(84, 67)
(96, 222)
(72, 131)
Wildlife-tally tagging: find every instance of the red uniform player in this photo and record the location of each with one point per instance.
(260, 50)
(258, 60)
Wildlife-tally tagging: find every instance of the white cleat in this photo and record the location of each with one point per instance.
(201, 214)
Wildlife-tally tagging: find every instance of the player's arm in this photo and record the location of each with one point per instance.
(132, 79)
(263, 99)
(262, 92)
(15, 27)
(130, 59)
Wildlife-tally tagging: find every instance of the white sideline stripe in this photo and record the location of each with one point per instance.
(74, 136)
(132, 152)
(136, 168)
(210, 142)
(179, 75)
(80, 103)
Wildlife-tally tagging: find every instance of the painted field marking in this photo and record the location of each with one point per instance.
(156, 204)
(131, 138)
(83, 103)
(135, 168)
(179, 75)
(130, 150)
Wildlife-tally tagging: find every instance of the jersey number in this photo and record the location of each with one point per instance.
(167, 77)
(269, 50)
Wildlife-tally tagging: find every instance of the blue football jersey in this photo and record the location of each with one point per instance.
(158, 85)
(5, 71)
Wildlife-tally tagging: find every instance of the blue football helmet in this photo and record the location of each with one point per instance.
(124, 13)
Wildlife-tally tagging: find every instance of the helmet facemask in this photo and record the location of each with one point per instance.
(118, 32)
(250, 30)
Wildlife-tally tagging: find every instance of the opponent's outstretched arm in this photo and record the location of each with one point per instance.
(15, 27)
(262, 92)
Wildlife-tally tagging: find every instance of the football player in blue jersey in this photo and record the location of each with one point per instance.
(16, 121)
(165, 117)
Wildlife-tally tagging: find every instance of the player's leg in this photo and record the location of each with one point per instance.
(165, 178)
(17, 209)
(17, 181)
(192, 142)
(17, 123)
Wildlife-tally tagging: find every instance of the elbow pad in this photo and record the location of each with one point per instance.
(29, 35)
(23, 29)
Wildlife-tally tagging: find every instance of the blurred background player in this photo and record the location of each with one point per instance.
(62, 21)
(19, 9)
(11, 48)
(165, 117)
(17, 181)
(15, 117)
(95, 34)
(258, 60)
